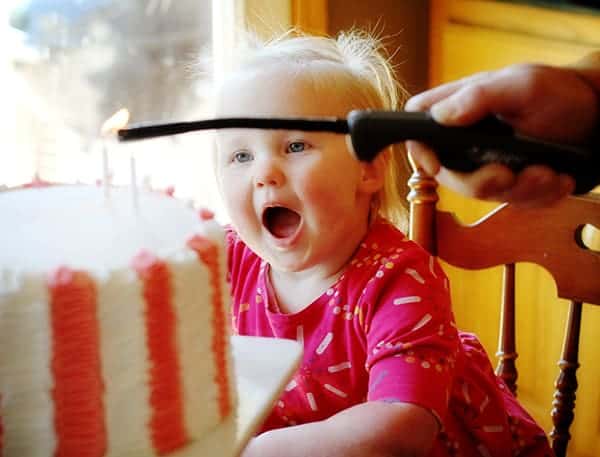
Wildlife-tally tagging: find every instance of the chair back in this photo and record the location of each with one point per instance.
(552, 237)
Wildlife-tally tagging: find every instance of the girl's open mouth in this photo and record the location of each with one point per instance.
(281, 222)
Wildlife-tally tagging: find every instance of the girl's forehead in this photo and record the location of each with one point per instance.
(283, 90)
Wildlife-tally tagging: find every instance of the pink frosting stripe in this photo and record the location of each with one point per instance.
(208, 254)
(76, 366)
(167, 423)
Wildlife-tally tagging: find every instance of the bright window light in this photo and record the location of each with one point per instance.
(66, 66)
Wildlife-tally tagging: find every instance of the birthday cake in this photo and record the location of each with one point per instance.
(114, 325)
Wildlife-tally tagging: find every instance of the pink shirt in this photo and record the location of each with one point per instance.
(385, 331)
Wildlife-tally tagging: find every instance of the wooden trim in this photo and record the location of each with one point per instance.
(543, 22)
(561, 26)
(563, 406)
(310, 16)
(438, 15)
(423, 198)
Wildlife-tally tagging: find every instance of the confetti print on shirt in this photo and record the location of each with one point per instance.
(339, 367)
(378, 346)
(300, 335)
(348, 315)
(484, 451)
(415, 274)
(493, 428)
(324, 343)
(426, 318)
(291, 385)
(336, 391)
(311, 401)
(432, 266)
(484, 403)
(379, 379)
(465, 392)
(406, 300)
(358, 312)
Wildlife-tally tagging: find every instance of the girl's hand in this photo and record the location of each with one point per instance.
(551, 103)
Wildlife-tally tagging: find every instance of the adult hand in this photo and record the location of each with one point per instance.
(551, 103)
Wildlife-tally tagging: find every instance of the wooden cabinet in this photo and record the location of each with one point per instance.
(474, 35)
(468, 36)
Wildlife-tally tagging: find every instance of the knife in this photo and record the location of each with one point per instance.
(464, 148)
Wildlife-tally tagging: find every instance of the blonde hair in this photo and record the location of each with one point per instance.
(358, 63)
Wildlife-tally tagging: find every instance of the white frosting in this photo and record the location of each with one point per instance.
(192, 303)
(124, 357)
(77, 226)
(25, 373)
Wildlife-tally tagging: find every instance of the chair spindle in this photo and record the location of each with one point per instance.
(563, 406)
(507, 353)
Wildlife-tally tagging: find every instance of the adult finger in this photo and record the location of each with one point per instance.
(423, 156)
(538, 186)
(490, 182)
(424, 100)
(472, 102)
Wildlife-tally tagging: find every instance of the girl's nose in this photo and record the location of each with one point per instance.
(268, 173)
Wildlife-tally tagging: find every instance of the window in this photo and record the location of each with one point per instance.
(68, 65)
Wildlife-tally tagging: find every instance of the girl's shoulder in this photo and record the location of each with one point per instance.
(385, 240)
(386, 256)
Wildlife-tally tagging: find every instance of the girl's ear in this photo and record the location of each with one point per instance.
(373, 174)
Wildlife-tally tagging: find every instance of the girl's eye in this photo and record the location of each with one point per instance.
(296, 146)
(241, 156)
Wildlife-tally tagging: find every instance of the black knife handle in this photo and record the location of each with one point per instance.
(468, 148)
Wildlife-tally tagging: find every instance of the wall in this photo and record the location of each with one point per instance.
(404, 22)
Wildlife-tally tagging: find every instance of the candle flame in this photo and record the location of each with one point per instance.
(115, 122)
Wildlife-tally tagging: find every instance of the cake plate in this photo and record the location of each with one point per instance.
(263, 367)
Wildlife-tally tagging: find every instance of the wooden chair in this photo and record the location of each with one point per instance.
(550, 237)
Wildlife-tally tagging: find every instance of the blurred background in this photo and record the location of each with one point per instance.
(68, 65)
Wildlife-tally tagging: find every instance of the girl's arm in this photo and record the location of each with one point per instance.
(371, 429)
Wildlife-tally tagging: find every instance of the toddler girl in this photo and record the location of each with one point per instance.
(316, 255)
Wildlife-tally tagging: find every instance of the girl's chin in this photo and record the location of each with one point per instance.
(284, 259)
